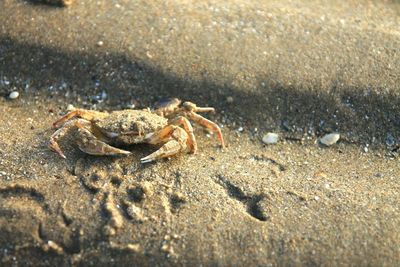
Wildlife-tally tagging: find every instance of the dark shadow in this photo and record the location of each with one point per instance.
(251, 201)
(54, 73)
(50, 3)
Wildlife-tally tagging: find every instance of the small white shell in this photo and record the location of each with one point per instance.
(270, 138)
(14, 95)
(329, 139)
(70, 107)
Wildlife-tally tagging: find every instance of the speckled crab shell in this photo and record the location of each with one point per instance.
(130, 126)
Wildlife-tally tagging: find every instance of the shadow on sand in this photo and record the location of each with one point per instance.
(360, 117)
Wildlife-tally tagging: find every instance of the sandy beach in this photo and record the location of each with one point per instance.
(298, 69)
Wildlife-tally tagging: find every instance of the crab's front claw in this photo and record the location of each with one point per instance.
(176, 141)
(90, 144)
(167, 150)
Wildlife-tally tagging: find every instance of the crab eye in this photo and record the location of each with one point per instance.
(167, 102)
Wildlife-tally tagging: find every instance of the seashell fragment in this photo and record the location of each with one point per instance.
(329, 139)
(270, 138)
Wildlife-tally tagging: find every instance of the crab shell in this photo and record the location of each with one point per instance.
(129, 126)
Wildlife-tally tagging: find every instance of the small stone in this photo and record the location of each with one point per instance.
(321, 174)
(329, 139)
(70, 107)
(130, 106)
(100, 43)
(270, 138)
(390, 140)
(14, 95)
(175, 236)
(229, 99)
(165, 247)
(103, 95)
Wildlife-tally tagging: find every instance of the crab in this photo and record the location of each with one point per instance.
(168, 125)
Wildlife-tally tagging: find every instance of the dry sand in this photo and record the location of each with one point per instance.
(298, 69)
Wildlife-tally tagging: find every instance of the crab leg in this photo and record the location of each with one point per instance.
(208, 124)
(189, 130)
(176, 138)
(204, 109)
(53, 145)
(80, 113)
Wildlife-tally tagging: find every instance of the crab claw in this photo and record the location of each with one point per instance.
(89, 144)
(53, 145)
(168, 149)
